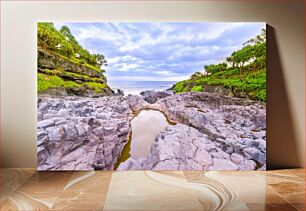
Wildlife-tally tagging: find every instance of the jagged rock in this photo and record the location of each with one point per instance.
(235, 124)
(55, 133)
(120, 92)
(63, 113)
(263, 168)
(180, 147)
(222, 164)
(152, 96)
(42, 155)
(251, 153)
(136, 103)
(212, 132)
(45, 123)
(232, 129)
(247, 165)
(131, 164)
(237, 158)
(78, 138)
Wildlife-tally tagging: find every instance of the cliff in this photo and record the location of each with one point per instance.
(65, 67)
(58, 75)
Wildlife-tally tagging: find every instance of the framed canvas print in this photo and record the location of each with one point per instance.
(151, 96)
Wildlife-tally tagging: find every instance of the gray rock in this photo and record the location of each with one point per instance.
(251, 153)
(222, 164)
(71, 136)
(55, 133)
(120, 92)
(263, 168)
(130, 164)
(203, 158)
(82, 129)
(95, 131)
(236, 158)
(42, 155)
(261, 157)
(152, 96)
(42, 141)
(70, 132)
(63, 113)
(41, 133)
(262, 144)
(247, 165)
(45, 123)
(59, 121)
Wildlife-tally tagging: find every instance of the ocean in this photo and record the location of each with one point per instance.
(135, 87)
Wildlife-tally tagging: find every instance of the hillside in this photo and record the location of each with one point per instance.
(66, 68)
(242, 75)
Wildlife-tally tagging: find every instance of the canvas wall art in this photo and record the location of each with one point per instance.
(151, 96)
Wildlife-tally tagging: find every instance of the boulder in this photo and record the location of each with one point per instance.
(120, 92)
(152, 96)
(251, 153)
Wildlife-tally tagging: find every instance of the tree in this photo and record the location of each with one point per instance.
(51, 39)
(214, 68)
(196, 75)
(259, 39)
(69, 37)
(230, 60)
(242, 56)
(100, 60)
(64, 43)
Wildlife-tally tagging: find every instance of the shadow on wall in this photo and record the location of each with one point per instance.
(281, 140)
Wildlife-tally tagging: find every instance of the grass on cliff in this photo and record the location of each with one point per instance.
(96, 86)
(254, 83)
(60, 72)
(79, 62)
(85, 77)
(46, 82)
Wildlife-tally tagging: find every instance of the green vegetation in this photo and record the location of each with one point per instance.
(244, 71)
(95, 86)
(198, 88)
(77, 75)
(54, 45)
(64, 44)
(46, 82)
(81, 62)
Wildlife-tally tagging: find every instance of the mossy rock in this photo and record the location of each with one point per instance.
(52, 61)
(52, 82)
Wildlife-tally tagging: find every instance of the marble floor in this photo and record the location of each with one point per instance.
(27, 189)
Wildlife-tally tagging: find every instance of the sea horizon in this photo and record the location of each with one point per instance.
(135, 87)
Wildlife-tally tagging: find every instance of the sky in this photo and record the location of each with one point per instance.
(161, 51)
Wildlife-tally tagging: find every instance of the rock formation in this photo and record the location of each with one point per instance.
(85, 80)
(212, 132)
(81, 133)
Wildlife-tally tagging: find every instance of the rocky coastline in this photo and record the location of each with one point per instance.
(211, 132)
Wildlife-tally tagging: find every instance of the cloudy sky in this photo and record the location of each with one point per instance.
(161, 51)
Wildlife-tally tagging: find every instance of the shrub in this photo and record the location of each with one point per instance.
(197, 89)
